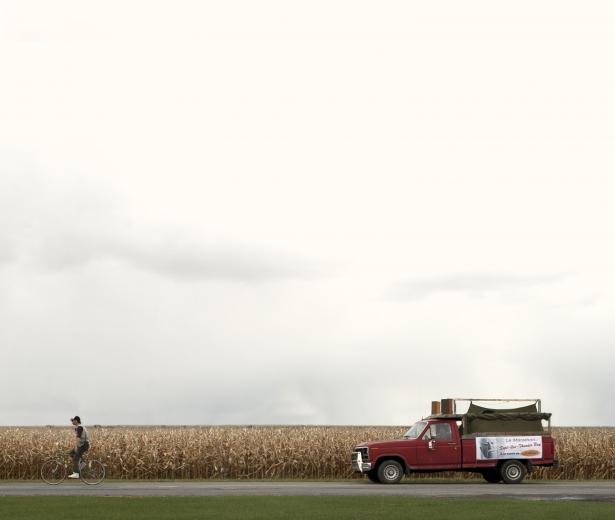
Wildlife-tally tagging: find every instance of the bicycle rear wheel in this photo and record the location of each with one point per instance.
(53, 471)
(93, 472)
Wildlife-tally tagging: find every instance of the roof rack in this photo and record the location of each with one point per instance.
(470, 400)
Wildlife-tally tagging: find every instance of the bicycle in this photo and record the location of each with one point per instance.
(55, 469)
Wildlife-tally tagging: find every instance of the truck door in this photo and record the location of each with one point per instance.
(439, 447)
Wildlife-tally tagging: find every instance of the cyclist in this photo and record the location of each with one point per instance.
(83, 445)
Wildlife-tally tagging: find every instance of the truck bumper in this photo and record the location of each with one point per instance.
(554, 464)
(361, 468)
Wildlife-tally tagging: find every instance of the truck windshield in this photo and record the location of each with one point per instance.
(416, 430)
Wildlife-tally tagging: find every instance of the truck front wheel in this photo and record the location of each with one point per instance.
(390, 472)
(513, 472)
(373, 476)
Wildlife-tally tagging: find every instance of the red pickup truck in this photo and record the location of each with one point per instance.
(502, 445)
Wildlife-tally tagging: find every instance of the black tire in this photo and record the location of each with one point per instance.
(492, 475)
(53, 471)
(390, 472)
(93, 472)
(373, 476)
(513, 472)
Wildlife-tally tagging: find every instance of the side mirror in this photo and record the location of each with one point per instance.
(431, 444)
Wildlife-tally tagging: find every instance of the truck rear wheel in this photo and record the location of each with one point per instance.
(492, 475)
(390, 472)
(513, 472)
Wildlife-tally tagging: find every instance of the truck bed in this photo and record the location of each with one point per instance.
(469, 460)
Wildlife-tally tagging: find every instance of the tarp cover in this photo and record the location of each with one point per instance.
(524, 419)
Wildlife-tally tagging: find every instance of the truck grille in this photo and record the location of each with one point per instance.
(364, 453)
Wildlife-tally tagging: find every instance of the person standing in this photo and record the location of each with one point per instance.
(83, 445)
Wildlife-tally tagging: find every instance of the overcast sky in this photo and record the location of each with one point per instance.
(326, 212)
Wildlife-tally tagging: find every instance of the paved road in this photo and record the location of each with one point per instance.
(602, 491)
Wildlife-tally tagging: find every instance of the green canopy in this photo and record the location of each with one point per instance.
(526, 419)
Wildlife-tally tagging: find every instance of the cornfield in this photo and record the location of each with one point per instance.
(258, 452)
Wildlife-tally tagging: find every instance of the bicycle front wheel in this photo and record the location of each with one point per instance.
(53, 471)
(93, 472)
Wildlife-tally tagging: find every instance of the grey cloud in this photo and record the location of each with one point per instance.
(575, 367)
(472, 284)
(180, 259)
(190, 260)
(71, 224)
(7, 251)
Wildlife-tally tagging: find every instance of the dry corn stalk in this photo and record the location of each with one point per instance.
(259, 452)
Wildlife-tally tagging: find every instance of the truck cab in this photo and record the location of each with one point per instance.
(431, 444)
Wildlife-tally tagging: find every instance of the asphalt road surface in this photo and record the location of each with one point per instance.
(601, 491)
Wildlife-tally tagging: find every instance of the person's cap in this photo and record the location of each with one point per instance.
(76, 418)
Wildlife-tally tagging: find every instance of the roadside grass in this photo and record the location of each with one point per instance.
(313, 508)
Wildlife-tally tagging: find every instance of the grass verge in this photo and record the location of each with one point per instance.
(271, 508)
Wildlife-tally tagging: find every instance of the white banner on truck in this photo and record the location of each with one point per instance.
(489, 448)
